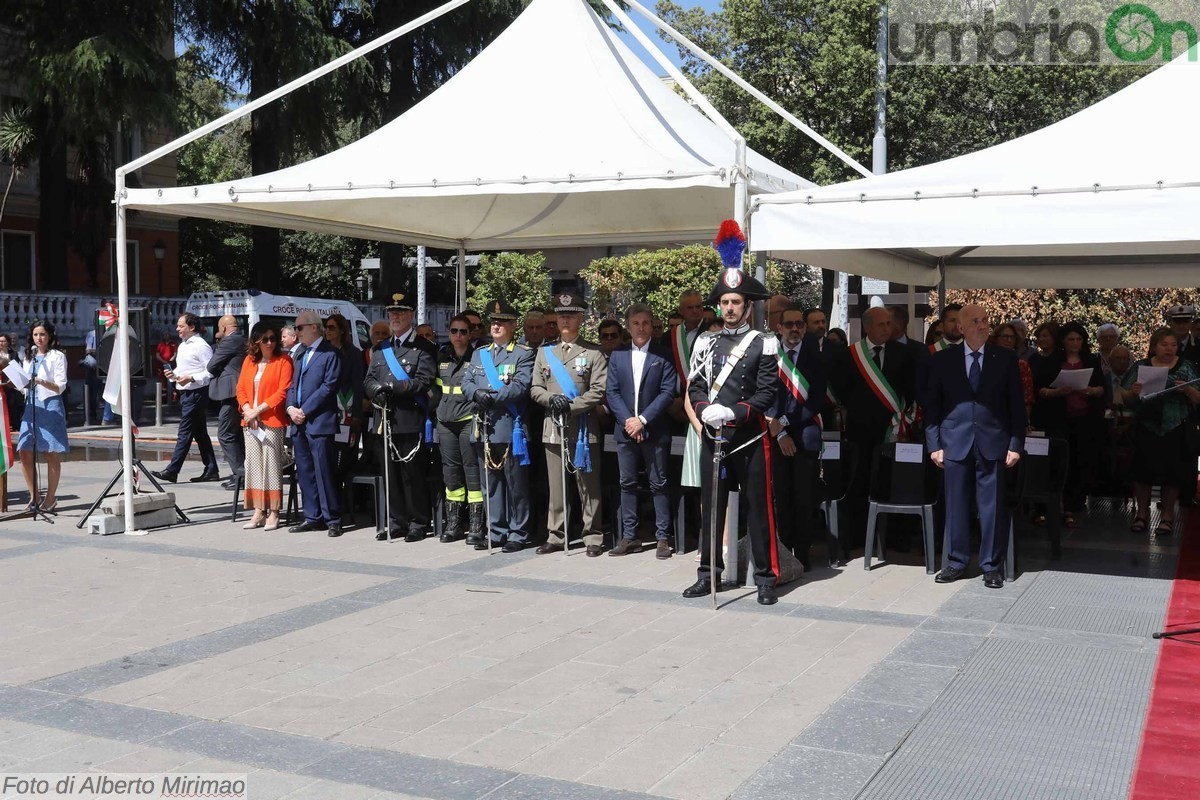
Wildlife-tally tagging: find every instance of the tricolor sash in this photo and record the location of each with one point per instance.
(682, 355)
(520, 449)
(795, 382)
(873, 376)
(401, 374)
(583, 453)
(938, 346)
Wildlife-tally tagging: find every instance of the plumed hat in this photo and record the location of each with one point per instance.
(731, 243)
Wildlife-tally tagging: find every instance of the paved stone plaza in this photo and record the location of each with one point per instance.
(351, 668)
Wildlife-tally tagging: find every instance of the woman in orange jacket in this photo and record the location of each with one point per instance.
(261, 393)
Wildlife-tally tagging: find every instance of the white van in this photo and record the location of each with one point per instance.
(250, 306)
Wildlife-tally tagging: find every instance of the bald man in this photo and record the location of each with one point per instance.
(225, 366)
(778, 304)
(871, 377)
(975, 431)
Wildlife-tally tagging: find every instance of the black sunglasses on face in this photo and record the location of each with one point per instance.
(610, 336)
(460, 330)
(267, 339)
(792, 324)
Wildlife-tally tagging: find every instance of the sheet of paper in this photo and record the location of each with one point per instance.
(1037, 446)
(910, 453)
(343, 434)
(832, 451)
(259, 433)
(1072, 379)
(18, 376)
(677, 445)
(1152, 379)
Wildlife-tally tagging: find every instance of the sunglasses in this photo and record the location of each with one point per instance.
(610, 336)
(792, 324)
(307, 325)
(268, 339)
(460, 330)
(332, 327)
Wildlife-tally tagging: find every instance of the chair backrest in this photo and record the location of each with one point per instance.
(836, 473)
(902, 482)
(1047, 474)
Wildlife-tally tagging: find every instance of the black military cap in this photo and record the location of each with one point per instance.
(569, 301)
(399, 303)
(500, 311)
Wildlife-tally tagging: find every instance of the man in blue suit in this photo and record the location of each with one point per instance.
(640, 388)
(975, 428)
(312, 407)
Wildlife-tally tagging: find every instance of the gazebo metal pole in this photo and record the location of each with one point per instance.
(122, 353)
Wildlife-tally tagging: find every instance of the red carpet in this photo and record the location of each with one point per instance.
(1168, 765)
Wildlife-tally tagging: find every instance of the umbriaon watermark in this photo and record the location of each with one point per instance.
(1033, 32)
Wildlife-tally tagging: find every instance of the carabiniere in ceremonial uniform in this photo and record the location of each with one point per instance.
(400, 377)
(498, 381)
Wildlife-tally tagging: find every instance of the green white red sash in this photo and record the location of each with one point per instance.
(792, 378)
(682, 354)
(6, 448)
(938, 346)
(872, 374)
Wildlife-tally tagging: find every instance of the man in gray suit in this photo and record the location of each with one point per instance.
(225, 367)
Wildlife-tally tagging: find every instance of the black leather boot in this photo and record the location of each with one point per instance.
(476, 519)
(452, 530)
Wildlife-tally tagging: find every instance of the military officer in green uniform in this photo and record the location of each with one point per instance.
(497, 381)
(569, 379)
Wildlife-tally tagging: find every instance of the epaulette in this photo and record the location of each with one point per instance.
(706, 335)
(524, 346)
(770, 344)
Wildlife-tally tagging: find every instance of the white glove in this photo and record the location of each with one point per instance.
(716, 415)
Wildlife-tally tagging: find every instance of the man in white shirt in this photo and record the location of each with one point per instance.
(640, 388)
(191, 378)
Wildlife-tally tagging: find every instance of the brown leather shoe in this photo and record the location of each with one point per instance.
(594, 550)
(625, 547)
(550, 547)
(663, 551)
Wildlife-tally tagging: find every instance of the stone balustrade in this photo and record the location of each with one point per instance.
(73, 315)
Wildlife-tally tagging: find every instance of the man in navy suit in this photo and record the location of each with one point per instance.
(312, 407)
(641, 386)
(975, 427)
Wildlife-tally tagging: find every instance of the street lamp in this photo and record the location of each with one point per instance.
(160, 254)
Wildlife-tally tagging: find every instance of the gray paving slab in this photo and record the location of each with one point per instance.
(532, 787)
(256, 746)
(18, 699)
(1110, 604)
(938, 649)
(858, 726)
(30, 549)
(811, 774)
(105, 720)
(903, 683)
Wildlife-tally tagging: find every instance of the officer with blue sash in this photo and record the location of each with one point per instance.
(498, 382)
(569, 380)
(402, 372)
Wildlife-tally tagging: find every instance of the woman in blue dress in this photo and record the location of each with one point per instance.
(45, 420)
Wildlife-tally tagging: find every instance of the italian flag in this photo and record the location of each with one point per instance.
(938, 346)
(6, 448)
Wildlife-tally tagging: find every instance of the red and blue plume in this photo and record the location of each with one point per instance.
(730, 243)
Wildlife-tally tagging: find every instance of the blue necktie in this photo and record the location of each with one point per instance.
(976, 372)
(303, 369)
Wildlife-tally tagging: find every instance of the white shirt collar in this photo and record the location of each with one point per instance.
(644, 349)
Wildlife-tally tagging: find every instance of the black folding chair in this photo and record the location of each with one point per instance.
(1045, 479)
(901, 487)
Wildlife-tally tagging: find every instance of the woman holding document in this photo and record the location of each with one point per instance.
(44, 424)
(1160, 450)
(1069, 386)
(261, 392)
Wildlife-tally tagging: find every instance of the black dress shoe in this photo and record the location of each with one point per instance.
(594, 550)
(481, 544)
(448, 537)
(993, 579)
(414, 535)
(550, 547)
(206, 477)
(164, 476)
(767, 596)
(306, 527)
(512, 547)
(334, 531)
(475, 539)
(381, 536)
(703, 587)
(232, 483)
(950, 575)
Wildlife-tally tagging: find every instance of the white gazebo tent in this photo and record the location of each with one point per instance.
(1108, 197)
(555, 135)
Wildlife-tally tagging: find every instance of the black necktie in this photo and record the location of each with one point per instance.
(792, 355)
(877, 357)
(976, 373)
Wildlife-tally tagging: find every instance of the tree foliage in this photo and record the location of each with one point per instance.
(87, 71)
(1137, 312)
(519, 278)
